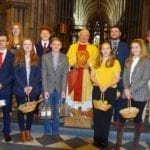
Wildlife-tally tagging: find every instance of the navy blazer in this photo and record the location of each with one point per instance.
(6, 74)
(20, 82)
(122, 53)
(39, 49)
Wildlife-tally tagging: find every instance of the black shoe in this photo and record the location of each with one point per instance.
(7, 138)
(96, 144)
(103, 144)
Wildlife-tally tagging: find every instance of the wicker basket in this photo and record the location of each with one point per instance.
(129, 112)
(80, 122)
(29, 106)
(79, 118)
(101, 104)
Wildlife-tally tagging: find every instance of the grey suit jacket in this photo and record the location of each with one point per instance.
(140, 76)
(52, 78)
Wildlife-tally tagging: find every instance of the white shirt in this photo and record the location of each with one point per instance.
(43, 42)
(28, 69)
(4, 54)
(134, 63)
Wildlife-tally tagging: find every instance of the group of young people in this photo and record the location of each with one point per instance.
(24, 73)
(27, 70)
(115, 68)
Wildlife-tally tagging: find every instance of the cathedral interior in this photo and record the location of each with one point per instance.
(66, 18)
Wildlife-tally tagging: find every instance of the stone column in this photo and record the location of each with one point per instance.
(42, 13)
(145, 17)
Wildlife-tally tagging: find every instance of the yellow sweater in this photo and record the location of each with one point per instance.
(105, 75)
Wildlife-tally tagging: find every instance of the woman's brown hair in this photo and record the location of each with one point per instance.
(20, 55)
(143, 55)
(111, 60)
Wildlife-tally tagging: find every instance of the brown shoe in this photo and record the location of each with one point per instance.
(120, 129)
(28, 136)
(23, 137)
(7, 138)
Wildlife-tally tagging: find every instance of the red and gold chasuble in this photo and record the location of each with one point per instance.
(76, 76)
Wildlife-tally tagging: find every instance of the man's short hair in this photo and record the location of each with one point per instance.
(45, 28)
(4, 33)
(115, 26)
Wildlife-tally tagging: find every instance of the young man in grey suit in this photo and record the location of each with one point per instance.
(54, 74)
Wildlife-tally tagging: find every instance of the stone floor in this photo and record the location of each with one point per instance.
(71, 139)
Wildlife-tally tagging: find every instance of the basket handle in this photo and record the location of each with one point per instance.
(129, 104)
(27, 98)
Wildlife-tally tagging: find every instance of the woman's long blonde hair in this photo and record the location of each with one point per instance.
(11, 37)
(111, 60)
(20, 55)
(143, 55)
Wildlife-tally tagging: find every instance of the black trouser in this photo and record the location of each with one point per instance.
(102, 119)
(24, 124)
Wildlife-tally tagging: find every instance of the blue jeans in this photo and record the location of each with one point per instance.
(51, 126)
(6, 114)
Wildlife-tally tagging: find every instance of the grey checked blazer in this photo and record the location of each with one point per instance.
(52, 78)
(140, 76)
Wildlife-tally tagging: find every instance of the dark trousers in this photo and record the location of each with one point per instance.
(139, 105)
(25, 123)
(119, 101)
(102, 119)
(118, 104)
(6, 114)
(24, 120)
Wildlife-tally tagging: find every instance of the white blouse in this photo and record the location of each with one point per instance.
(134, 63)
(28, 69)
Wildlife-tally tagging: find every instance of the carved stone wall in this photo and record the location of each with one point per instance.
(145, 17)
(2, 14)
(63, 15)
(42, 12)
(17, 11)
(31, 14)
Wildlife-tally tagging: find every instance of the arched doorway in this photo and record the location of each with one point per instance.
(98, 28)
